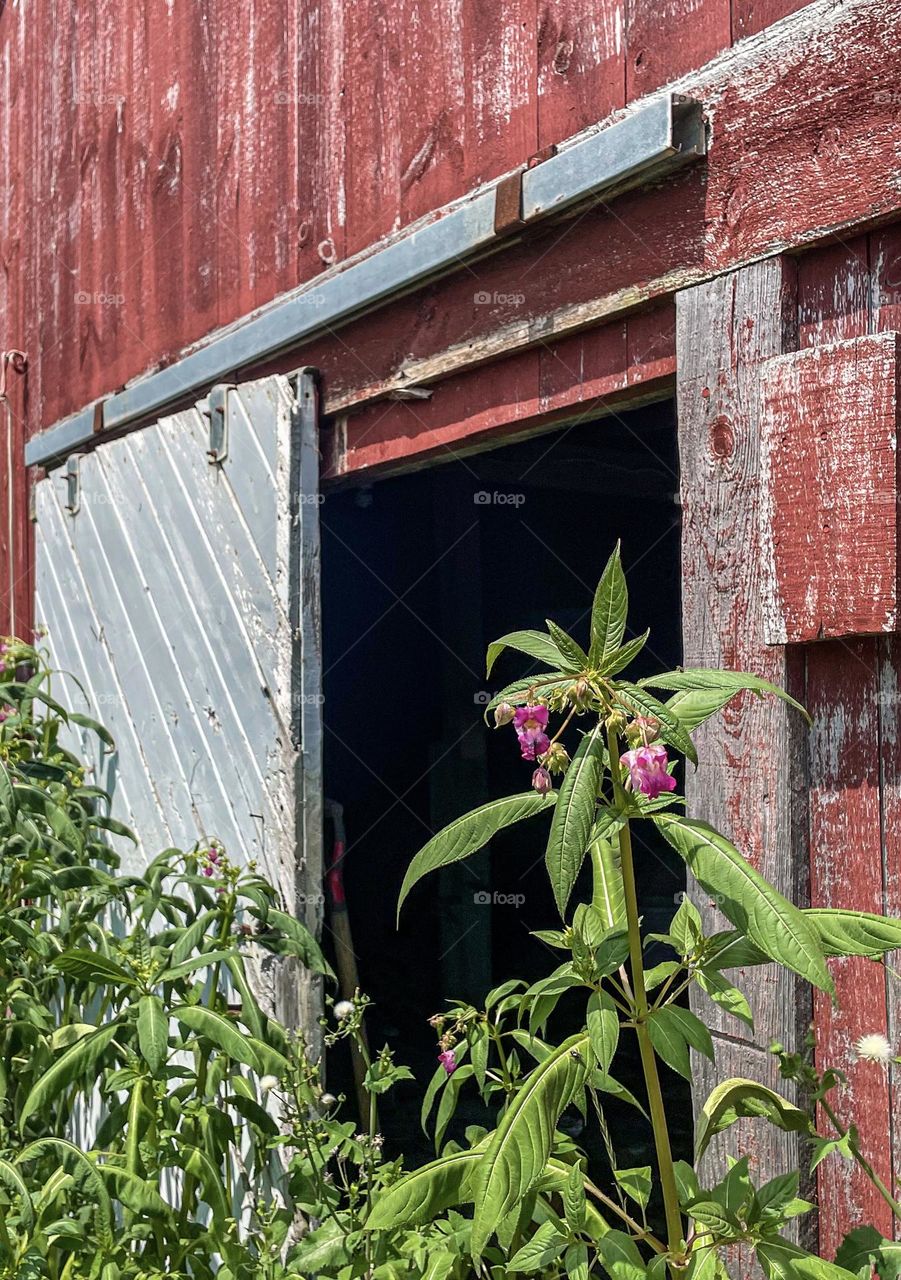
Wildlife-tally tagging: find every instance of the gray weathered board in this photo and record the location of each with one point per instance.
(181, 602)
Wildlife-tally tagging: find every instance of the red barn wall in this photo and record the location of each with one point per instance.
(166, 168)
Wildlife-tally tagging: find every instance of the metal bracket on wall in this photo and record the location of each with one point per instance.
(217, 412)
(73, 484)
(651, 140)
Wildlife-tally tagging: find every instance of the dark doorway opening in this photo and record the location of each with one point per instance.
(419, 573)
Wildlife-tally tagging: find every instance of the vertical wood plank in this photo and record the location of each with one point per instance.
(501, 126)
(750, 784)
(666, 38)
(885, 260)
(842, 691)
(432, 90)
(581, 66)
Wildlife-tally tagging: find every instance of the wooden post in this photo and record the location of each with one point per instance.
(751, 784)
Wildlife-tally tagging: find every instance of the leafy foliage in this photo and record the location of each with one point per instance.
(620, 775)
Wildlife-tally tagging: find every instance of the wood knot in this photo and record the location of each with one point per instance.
(722, 438)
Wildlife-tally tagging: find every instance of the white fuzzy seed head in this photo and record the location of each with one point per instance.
(268, 1083)
(344, 1009)
(874, 1048)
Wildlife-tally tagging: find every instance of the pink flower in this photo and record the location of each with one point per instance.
(541, 781)
(647, 770)
(448, 1060)
(207, 870)
(6, 712)
(530, 724)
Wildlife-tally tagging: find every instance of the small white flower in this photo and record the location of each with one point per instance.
(344, 1009)
(874, 1048)
(327, 1101)
(268, 1083)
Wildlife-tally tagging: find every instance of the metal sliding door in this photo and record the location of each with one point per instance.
(177, 574)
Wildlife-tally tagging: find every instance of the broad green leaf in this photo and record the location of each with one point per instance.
(535, 644)
(92, 966)
(608, 895)
(572, 653)
(15, 1183)
(306, 946)
(545, 1247)
(153, 1032)
(603, 1028)
(735, 1098)
(573, 817)
(465, 835)
(575, 1204)
(219, 1031)
(70, 1157)
(609, 611)
(669, 1041)
(204, 961)
(725, 994)
(866, 1247)
(85, 722)
(708, 680)
(693, 706)
(420, 1196)
(200, 1166)
(82, 1059)
(636, 1183)
(136, 1193)
(672, 731)
(750, 902)
(519, 1149)
(854, 933)
(620, 1258)
(782, 1260)
(623, 656)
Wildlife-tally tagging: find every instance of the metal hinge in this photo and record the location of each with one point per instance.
(217, 412)
(73, 484)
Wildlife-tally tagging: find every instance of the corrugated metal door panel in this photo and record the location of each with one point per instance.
(174, 596)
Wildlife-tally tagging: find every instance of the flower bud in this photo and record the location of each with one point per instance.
(580, 693)
(557, 758)
(503, 714)
(642, 730)
(541, 781)
(616, 721)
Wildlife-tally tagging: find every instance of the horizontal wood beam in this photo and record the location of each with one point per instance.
(803, 147)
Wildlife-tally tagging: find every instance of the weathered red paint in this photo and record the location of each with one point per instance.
(582, 376)
(847, 805)
(830, 497)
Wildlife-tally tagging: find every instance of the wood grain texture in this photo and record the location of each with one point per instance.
(175, 207)
(665, 39)
(844, 680)
(581, 66)
(830, 490)
(750, 783)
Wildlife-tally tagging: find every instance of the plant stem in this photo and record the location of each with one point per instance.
(646, 1049)
(862, 1160)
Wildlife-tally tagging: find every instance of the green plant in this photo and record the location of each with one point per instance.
(619, 775)
(156, 1121)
